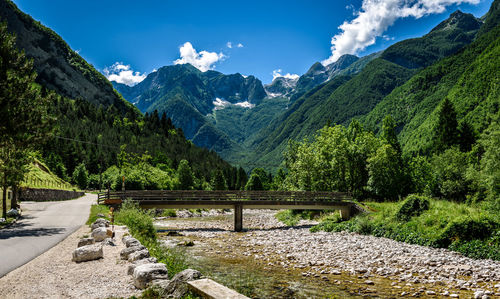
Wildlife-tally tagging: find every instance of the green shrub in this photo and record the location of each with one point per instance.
(413, 205)
(169, 213)
(467, 229)
(139, 222)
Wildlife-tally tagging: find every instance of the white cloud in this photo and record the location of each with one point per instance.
(239, 45)
(203, 60)
(277, 73)
(122, 73)
(229, 45)
(373, 19)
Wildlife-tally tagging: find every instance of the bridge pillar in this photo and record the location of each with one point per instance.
(345, 213)
(238, 218)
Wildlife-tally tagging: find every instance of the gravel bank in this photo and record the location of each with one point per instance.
(54, 275)
(415, 270)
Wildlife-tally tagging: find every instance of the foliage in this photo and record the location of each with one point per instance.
(386, 172)
(445, 224)
(81, 176)
(185, 175)
(24, 122)
(450, 169)
(413, 205)
(140, 224)
(254, 183)
(446, 132)
(219, 181)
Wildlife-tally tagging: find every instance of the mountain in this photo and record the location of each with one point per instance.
(189, 97)
(59, 68)
(363, 91)
(92, 121)
(469, 79)
(281, 87)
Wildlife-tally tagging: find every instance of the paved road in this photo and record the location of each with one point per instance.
(44, 224)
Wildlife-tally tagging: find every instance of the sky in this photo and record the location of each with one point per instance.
(126, 39)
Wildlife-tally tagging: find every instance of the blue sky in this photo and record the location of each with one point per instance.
(274, 35)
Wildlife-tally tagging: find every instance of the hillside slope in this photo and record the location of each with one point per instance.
(58, 67)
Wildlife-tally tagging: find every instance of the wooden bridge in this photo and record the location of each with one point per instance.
(237, 200)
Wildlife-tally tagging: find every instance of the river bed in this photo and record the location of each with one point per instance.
(270, 260)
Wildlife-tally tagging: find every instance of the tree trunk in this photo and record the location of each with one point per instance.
(13, 201)
(4, 203)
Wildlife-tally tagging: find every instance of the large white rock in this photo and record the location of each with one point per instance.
(100, 222)
(87, 253)
(129, 250)
(101, 233)
(149, 260)
(177, 287)
(138, 255)
(144, 274)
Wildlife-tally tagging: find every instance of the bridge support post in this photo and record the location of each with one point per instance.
(238, 218)
(345, 213)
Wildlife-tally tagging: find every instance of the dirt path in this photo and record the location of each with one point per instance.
(54, 275)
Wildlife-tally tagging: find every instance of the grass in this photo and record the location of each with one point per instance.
(40, 176)
(95, 210)
(470, 230)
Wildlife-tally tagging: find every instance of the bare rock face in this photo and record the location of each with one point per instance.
(86, 241)
(124, 254)
(138, 255)
(100, 222)
(99, 234)
(149, 260)
(177, 287)
(144, 274)
(87, 253)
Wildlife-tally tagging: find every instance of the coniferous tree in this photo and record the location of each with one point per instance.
(24, 120)
(446, 134)
(186, 179)
(241, 179)
(467, 136)
(254, 183)
(219, 181)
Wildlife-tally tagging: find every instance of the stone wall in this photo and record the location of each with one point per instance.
(28, 194)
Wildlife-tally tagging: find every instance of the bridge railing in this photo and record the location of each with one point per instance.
(110, 196)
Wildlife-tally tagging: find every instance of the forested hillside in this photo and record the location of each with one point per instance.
(364, 91)
(468, 79)
(59, 68)
(92, 129)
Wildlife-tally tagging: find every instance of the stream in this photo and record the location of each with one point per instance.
(270, 260)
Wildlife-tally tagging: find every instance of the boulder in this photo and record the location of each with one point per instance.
(86, 241)
(149, 260)
(144, 274)
(177, 287)
(127, 251)
(13, 213)
(87, 253)
(100, 215)
(99, 234)
(125, 238)
(100, 222)
(132, 242)
(138, 255)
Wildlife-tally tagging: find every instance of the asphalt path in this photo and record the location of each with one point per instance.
(43, 225)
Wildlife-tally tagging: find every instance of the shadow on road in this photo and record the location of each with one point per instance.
(23, 230)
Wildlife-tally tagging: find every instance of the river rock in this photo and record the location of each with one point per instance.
(100, 233)
(177, 287)
(127, 251)
(138, 255)
(99, 222)
(87, 253)
(144, 274)
(86, 241)
(149, 260)
(129, 242)
(13, 213)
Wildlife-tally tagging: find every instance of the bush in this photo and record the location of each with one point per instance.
(413, 205)
(139, 222)
(467, 229)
